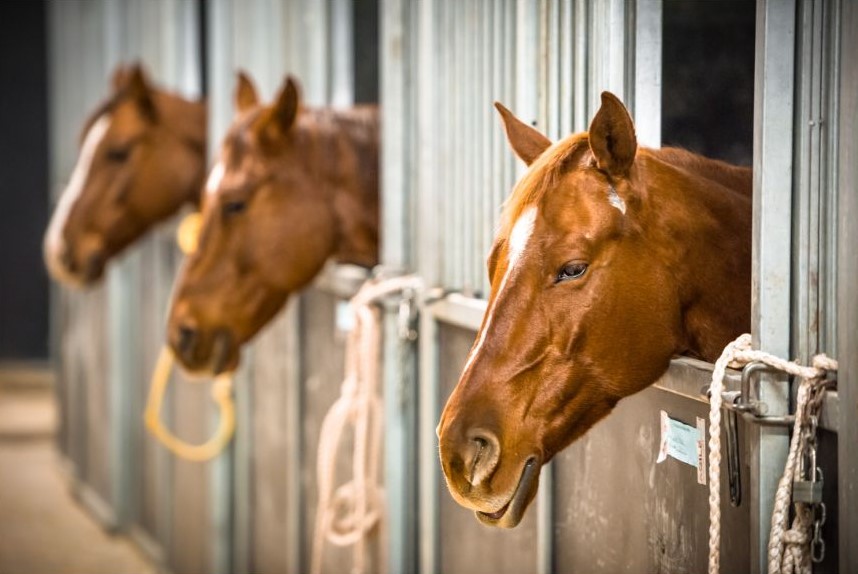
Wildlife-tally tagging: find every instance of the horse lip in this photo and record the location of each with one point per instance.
(220, 352)
(511, 513)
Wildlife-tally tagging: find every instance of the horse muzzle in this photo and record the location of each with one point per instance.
(497, 486)
(203, 353)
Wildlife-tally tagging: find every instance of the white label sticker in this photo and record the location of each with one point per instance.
(685, 443)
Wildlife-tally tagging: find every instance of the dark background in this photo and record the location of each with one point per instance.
(24, 179)
(708, 78)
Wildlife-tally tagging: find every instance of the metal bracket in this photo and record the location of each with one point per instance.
(743, 402)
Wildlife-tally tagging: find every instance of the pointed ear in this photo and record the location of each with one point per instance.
(527, 143)
(138, 88)
(612, 137)
(119, 77)
(282, 115)
(246, 96)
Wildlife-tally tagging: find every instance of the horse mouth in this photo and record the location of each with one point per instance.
(512, 512)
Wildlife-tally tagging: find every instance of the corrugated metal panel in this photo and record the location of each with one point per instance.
(125, 322)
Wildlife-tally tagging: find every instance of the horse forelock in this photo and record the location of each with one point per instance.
(542, 176)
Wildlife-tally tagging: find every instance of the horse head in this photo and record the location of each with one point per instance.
(290, 188)
(142, 156)
(610, 260)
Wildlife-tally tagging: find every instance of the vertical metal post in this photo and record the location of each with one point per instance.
(220, 475)
(399, 400)
(429, 265)
(647, 66)
(430, 474)
(395, 163)
(341, 65)
(773, 153)
(847, 292)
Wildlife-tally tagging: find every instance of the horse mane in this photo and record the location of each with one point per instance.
(547, 169)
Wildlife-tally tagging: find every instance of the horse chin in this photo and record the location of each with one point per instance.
(510, 515)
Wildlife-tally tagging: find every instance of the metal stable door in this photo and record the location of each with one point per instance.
(446, 174)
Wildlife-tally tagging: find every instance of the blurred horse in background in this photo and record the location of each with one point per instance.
(291, 187)
(610, 260)
(142, 157)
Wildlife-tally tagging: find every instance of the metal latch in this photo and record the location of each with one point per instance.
(750, 405)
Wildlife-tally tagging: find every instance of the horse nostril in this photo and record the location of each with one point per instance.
(481, 455)
(94, 265)
(187, 338)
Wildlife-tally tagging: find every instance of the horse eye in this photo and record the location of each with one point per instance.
(573, 270)
(234, 207)
(118, 155)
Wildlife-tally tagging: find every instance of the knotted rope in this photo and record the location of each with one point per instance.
(788, 549)
(347, 515)
(187, 237)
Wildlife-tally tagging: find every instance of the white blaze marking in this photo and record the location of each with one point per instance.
(54, 241)
(215, 177)
(617, 201)
(518, 239)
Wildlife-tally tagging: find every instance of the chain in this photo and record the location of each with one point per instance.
(809, 469)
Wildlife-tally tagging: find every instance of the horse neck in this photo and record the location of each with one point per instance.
(344, 156)
(706, 204)
(187, 120)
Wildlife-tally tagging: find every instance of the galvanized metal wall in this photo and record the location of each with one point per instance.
(446, 170)
(108, 338)
(293, 370)
(446, 173)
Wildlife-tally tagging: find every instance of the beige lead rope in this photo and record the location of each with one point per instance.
(789, 548)
(187, 237)
(222, 395)
(348, 514)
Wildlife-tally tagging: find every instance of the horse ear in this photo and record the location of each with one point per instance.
(612, 136)
(285, 109)
(119, 77)
(246, 96)
(137, 86)
(527, 142)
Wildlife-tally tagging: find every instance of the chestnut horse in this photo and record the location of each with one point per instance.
(291, 188)
(142, 157)
(610, 260)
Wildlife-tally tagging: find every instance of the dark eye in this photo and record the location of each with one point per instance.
(118, 155)
(571, 270)
(234, 207)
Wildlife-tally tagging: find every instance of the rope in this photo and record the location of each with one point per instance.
(187, 238)
(222, 395)
(346, 516)
(788, 549)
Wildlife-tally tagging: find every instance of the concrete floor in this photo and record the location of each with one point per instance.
(42, 529)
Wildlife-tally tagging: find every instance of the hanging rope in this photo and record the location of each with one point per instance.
(789, 548)
(222, 395)
(346, 516)
(187, 237)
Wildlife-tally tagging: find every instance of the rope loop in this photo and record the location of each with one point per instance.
(222, 396)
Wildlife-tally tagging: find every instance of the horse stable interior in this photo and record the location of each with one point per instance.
(86, 486)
